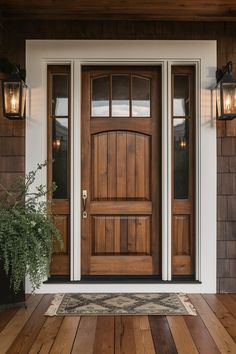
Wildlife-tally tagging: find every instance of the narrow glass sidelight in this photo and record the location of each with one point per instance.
(181, 96)
(58, 151)
(181, 158)
(59, 131)
(183, 170)
(60, 95)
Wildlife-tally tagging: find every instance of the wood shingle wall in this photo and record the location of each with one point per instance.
(12, 45)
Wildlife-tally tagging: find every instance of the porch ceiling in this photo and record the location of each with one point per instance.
(184, 10)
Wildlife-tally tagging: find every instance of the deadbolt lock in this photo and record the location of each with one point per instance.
(84, 194)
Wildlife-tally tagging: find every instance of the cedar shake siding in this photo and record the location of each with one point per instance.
(13, 34)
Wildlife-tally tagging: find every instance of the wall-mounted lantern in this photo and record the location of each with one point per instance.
(13, 90)
(225, 93)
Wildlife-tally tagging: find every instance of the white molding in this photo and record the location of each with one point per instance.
(164, 164)
(39, 53)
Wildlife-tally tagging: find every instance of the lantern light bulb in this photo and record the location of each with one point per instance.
(183, 143)
(228, 104)
(13, 103)
(57, 143)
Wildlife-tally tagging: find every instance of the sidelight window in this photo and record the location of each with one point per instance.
(183, 166)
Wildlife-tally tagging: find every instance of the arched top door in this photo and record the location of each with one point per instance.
(121, 171)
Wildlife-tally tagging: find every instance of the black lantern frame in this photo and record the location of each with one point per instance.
(225, 93)
(13, 91)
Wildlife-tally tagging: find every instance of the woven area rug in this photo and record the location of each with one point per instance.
(120, 304)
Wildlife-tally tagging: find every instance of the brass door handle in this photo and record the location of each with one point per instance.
(84, 198)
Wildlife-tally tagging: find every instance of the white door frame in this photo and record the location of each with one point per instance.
(202, 54)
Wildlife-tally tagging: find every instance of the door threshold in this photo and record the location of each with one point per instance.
(101, 279)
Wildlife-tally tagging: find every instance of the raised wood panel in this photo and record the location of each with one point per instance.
(181, 240)
(121, 265)
(62, 223)
(135, 124)
(118, 207)
(181, 245)
(121, 166)
(121, 235)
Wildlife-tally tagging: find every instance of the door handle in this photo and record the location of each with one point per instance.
(84, 199)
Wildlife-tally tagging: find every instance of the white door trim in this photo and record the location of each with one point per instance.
(202, 54)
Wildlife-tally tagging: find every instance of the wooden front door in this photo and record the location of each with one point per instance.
(121, 140)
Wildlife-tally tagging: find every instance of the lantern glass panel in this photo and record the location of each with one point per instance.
(229, 98)
(12, 98)
(218, 101)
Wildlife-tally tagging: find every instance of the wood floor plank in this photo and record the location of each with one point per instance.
(228, 302)
(15, 325)
(85, 337)
(6, 316)
(233, 296)
(182, 337)
(220, 335)
(201, 336)
(142, 334)
(222, 313)
(46, 336)
(162, 336)
(124, 335)
(104, 338)
(66, 335)
(29, 332)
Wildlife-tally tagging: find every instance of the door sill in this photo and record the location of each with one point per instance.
(99, 279)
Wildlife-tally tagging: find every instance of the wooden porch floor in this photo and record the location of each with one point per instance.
(213, 330)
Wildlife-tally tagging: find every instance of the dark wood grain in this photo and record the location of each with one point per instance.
(104, 337)
(124, 175)
(152, 10)
(6, 316)
(28, 334)
(161, 334)
(124, 335)
(201, 336)
(208, 332)
(47, 335)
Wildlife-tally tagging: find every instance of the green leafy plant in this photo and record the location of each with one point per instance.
(27, 231)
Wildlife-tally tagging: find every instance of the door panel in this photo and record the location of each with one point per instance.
(121, 234)
(121, 166)
(121, 171)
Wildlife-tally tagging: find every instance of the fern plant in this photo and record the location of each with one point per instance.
(27, 231)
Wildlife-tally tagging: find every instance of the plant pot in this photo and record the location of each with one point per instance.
(7, 296)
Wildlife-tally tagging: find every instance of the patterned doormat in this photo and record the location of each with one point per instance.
(120, 304)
